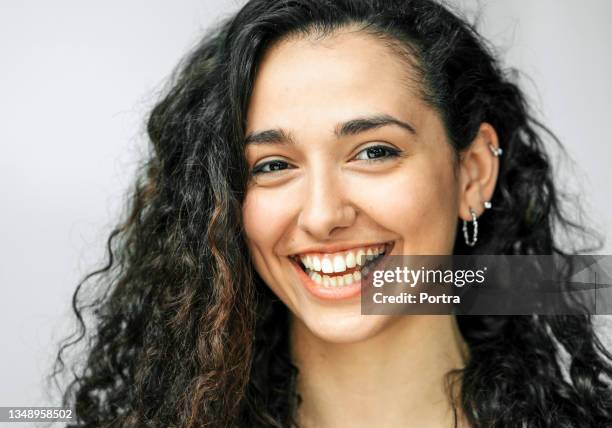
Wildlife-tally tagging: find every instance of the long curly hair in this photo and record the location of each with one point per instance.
(179, 329)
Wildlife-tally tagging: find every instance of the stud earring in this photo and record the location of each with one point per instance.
(497, 151)
(465, 230)
(487, 205)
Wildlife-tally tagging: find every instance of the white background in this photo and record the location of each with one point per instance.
(77, 79)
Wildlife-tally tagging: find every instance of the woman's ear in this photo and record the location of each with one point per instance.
(479, 167)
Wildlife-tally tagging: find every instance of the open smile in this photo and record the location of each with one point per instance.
(338, 275)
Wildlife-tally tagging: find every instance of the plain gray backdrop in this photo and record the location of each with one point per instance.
(77, 79)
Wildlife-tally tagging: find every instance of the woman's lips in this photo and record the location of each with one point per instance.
(339, 261)
(337, 276)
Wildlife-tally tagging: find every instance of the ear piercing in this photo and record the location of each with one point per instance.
(465, 230)
(487, 205)
(497, 151)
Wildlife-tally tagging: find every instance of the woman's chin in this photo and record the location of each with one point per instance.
(344, 326)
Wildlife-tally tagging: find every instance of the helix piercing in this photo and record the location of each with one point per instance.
(497, 151)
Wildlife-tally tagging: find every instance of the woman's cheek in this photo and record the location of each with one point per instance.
(395, 202)
(267, 212)
(415, 203)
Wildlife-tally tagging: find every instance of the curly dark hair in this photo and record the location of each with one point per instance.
(180, 330)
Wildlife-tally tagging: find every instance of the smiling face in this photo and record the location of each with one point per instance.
(346, 156)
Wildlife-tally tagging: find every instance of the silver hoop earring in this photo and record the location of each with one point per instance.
(497, 151)
(465, 230)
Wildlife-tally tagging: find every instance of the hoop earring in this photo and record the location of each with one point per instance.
(465, 230)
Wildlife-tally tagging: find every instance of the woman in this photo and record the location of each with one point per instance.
(303, 130)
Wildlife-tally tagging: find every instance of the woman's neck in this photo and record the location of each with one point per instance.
(393, 379)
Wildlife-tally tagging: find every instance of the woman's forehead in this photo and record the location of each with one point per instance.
(329, 80)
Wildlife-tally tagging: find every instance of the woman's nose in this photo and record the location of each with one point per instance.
(325, 206)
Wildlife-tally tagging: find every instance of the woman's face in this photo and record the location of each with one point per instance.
(347, 157)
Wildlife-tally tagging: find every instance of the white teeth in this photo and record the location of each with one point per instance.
(339, 264)
(360, 257)
(326, 265)
(335, 281)
(350, 260)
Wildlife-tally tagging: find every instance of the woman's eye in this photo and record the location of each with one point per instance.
(268, 167)
(374, 153)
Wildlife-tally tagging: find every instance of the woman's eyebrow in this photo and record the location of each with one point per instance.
(362, 124)
(351, 127)
(270, 136)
